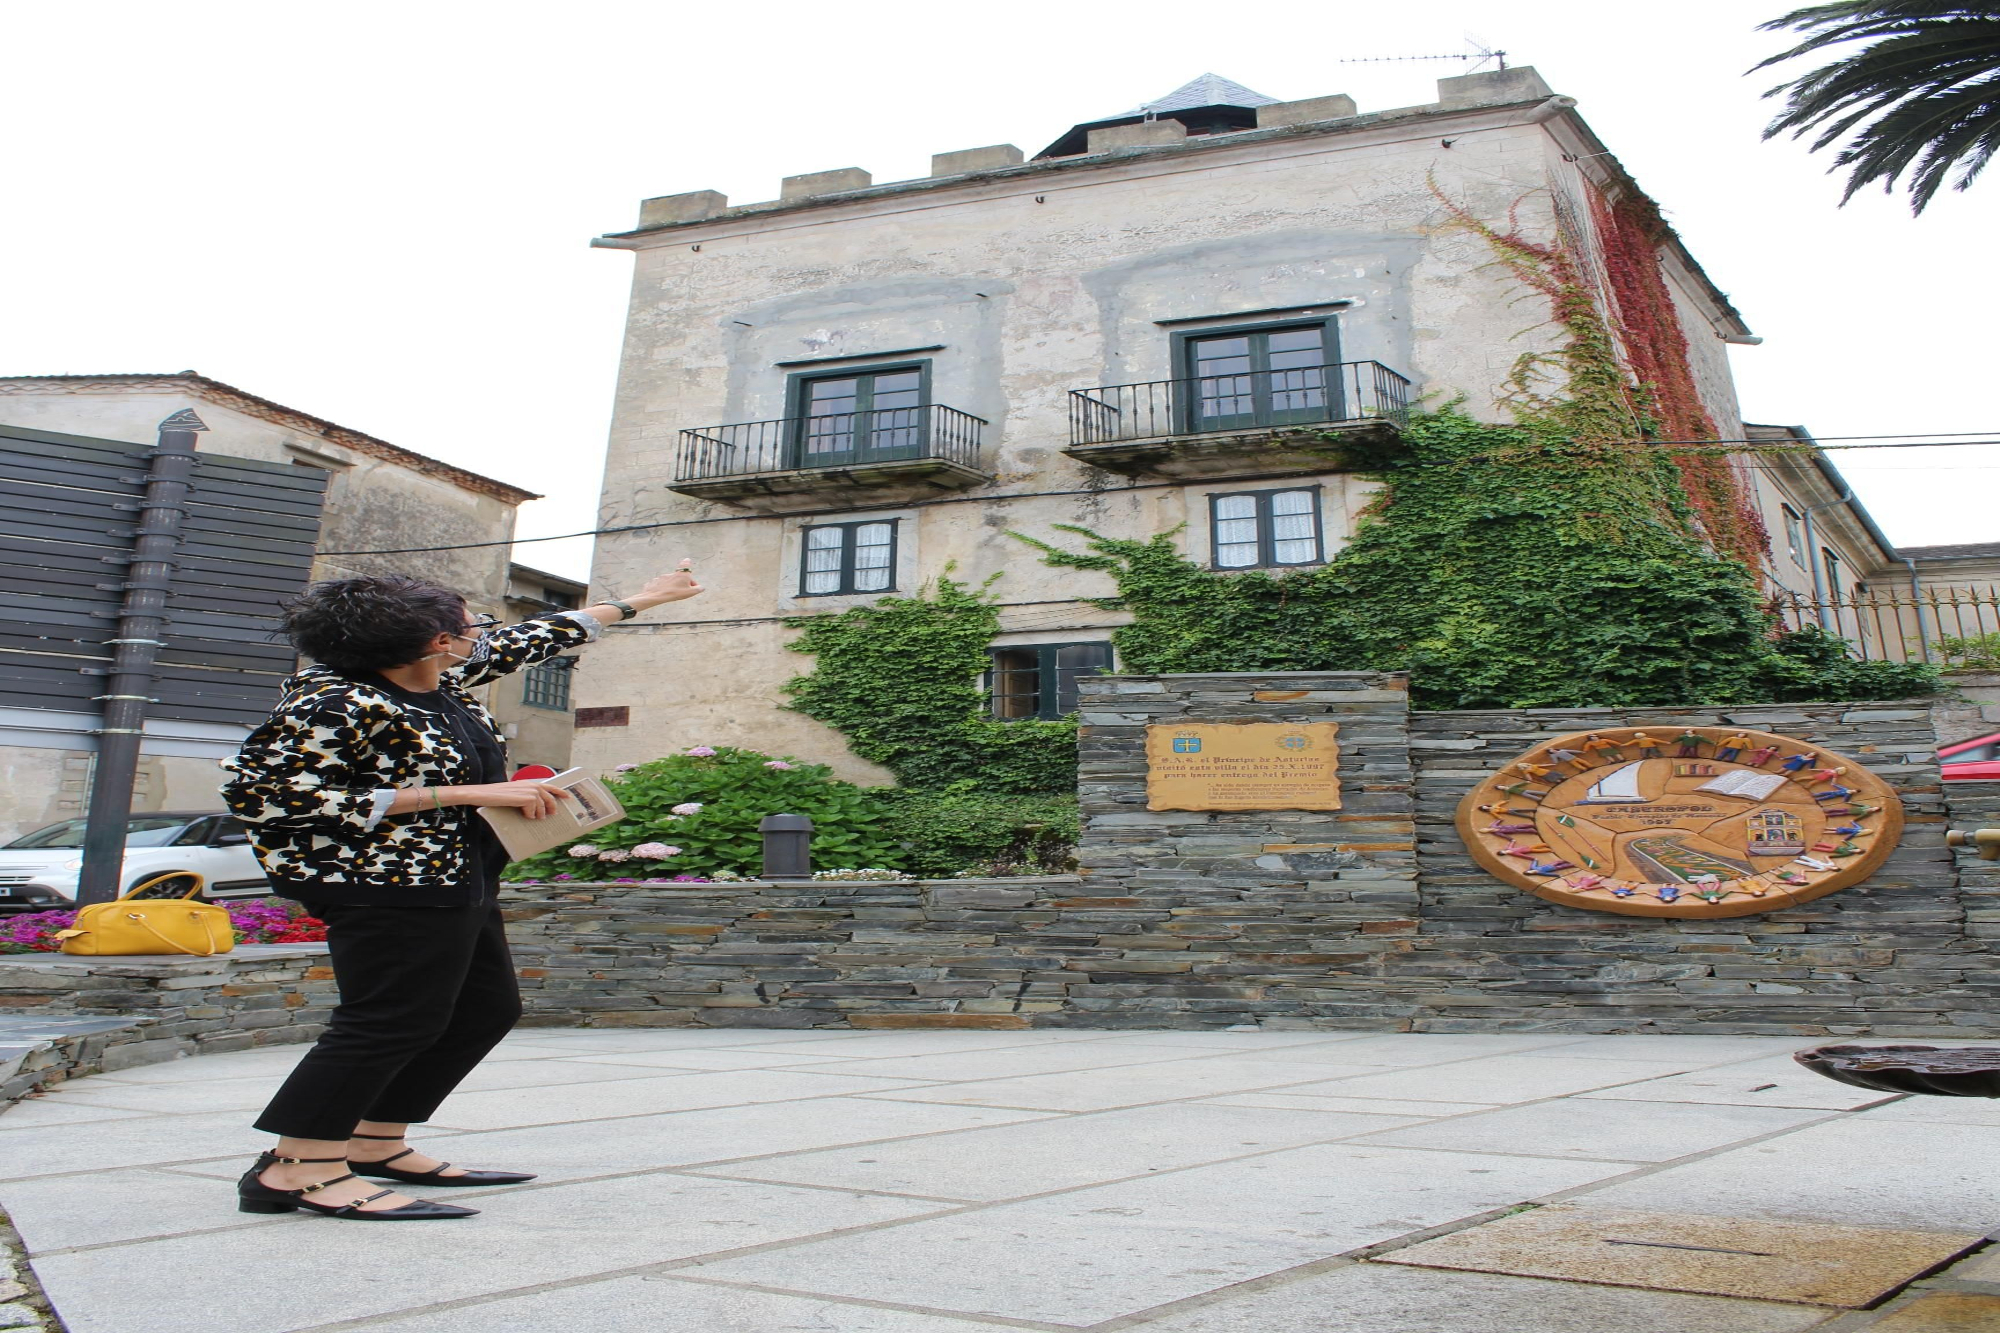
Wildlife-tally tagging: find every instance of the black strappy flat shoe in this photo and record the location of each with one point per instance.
(254, 1196)
(383, 1171)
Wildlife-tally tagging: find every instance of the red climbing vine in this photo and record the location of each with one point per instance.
(1629, 236)
(1624, 366)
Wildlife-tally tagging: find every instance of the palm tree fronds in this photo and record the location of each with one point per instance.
(1920, 101)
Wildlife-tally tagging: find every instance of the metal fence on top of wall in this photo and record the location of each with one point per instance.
(1948, 627)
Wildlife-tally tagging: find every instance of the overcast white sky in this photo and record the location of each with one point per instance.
(379, 212)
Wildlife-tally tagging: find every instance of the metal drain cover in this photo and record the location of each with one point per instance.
(1719, 1256)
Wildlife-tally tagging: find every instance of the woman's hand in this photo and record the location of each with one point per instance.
(532, 799)
(675, 587)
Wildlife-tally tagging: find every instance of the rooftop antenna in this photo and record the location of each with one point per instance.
(1480, 54)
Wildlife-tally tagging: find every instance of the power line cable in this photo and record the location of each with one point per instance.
(1943, 440)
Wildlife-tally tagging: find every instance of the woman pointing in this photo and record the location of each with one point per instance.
(359, 793)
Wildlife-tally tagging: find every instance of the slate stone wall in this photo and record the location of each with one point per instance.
(99, 1015)
(1894, 956)
(1371, 916)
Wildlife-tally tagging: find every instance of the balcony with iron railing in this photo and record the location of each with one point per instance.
(897, 453)
(1300, 419)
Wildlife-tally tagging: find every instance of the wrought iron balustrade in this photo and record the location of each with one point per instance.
(842, 440)
(1248, 401)
(1950, 627)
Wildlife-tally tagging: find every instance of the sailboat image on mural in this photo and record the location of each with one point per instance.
(1618, 787)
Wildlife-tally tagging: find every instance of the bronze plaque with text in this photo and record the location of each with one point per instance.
(1243, 766)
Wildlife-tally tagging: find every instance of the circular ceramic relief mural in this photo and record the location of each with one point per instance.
(1695, 822)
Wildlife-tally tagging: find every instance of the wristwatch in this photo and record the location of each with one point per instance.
(630, 612)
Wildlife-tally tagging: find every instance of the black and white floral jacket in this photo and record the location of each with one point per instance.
(314, 782)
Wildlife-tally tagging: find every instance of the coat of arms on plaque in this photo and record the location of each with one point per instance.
(1703, 822)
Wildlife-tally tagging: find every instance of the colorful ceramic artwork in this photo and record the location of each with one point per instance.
(1706, 822)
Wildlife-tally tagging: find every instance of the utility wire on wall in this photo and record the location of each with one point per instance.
(1940, 440)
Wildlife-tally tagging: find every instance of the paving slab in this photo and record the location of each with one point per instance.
(1128, 1085)
(1851, 1170)
(1721, 1256)
(142, 1140)
(1766, 1082)
(1696, 1051)
(47, 1109)
(1029, 1158)
(1942, 1312)
(271, 1063)
(136, 1203)
(666, 1304)
(177, 1098)
(1021, 1061)
(1499, 1078)
(1921, 1110)
(688, 1138)
(522, 1239)
(1079, 1258)
(720, 1057)
(1290, 1100)
(1430, 1048)
(1367, 1298)
(1574, 1127)
(888, 1045)
(617, 1095)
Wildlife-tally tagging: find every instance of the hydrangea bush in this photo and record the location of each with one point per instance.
(693, 816)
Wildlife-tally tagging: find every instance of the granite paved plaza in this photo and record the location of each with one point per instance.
(708, 1181)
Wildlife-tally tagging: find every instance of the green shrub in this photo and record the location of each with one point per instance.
(900, 678)
(734, 789)
(964, 830)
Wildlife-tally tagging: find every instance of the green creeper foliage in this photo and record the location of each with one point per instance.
(735, 789)
(900, 679)
(966, 829)
(1504, 566)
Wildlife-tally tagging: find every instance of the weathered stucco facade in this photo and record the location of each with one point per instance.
(1014, 284)
(379, 496)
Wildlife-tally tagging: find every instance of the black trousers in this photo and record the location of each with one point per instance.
(425, 993)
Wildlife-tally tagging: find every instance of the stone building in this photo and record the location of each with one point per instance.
(379, 496)
(854, 388)
(534, 706)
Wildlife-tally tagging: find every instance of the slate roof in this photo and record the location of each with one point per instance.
(1208, 90)
(1974, 551)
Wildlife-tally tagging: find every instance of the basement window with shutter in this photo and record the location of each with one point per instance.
(1039, 679)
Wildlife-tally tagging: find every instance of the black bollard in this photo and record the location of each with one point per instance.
(787, 846)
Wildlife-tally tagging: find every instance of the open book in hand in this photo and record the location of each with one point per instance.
(590, 806)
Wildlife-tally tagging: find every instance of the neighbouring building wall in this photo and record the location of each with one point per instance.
(535, 708)
(378, 496)
(371, 502)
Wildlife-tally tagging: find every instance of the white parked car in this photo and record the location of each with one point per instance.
(38, 871)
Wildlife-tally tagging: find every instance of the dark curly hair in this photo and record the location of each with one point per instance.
(367, 624)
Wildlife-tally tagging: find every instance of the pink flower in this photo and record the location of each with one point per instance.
(688, 808)
(614, 854)
(626, 768)
(699, 752)
(583, 849)
(670, 851)
(779, 764)
(654, 851)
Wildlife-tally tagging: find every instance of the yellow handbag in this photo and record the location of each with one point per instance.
(136, 924)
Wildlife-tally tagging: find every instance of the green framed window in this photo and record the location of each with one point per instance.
(1039, 679)
(546, 684)
(859, 416)
(1265, 529)
(848, 558)
(1270, 375)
